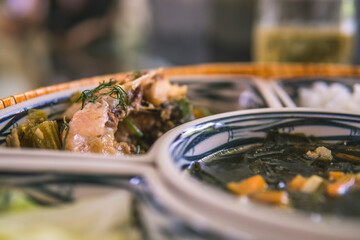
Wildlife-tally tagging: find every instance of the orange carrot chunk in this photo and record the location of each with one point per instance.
(341, 186)
(247, 186)
(271, 197)
(335, 175)
(296, 183)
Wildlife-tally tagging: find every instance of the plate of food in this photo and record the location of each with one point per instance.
(172, 144)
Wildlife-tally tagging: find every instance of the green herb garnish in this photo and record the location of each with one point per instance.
(133, 127)
(115, 92)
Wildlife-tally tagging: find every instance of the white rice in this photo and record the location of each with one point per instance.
(335, 96)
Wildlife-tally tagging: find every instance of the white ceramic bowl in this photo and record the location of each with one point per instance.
(198, 139)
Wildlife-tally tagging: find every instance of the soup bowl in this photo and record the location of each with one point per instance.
(197, 142)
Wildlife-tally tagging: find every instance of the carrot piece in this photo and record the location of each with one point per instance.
(335, 175)
(247, 186)
(271, 197)
(341, 186)
(296, 183)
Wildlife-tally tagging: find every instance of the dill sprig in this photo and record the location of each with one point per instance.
(115, 92)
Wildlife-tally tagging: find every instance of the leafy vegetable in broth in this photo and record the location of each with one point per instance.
(289, 170)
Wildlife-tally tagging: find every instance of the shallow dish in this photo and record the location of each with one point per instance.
(193, 141)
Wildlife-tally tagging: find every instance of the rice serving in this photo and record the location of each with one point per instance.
(335, 96)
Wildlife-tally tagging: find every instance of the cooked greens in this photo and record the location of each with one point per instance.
(37, 132)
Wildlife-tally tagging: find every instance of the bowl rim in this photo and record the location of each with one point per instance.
(232, 211)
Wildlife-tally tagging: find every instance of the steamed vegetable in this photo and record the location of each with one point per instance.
(37, 132)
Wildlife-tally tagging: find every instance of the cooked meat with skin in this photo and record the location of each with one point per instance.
(89, 132)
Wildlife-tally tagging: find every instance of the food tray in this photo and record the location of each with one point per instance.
(218, 87)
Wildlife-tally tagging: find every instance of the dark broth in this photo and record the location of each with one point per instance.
(279, 159)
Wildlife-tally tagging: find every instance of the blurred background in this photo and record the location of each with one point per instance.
(53, 41)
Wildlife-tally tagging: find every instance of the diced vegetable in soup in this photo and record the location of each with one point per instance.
(289, 170)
